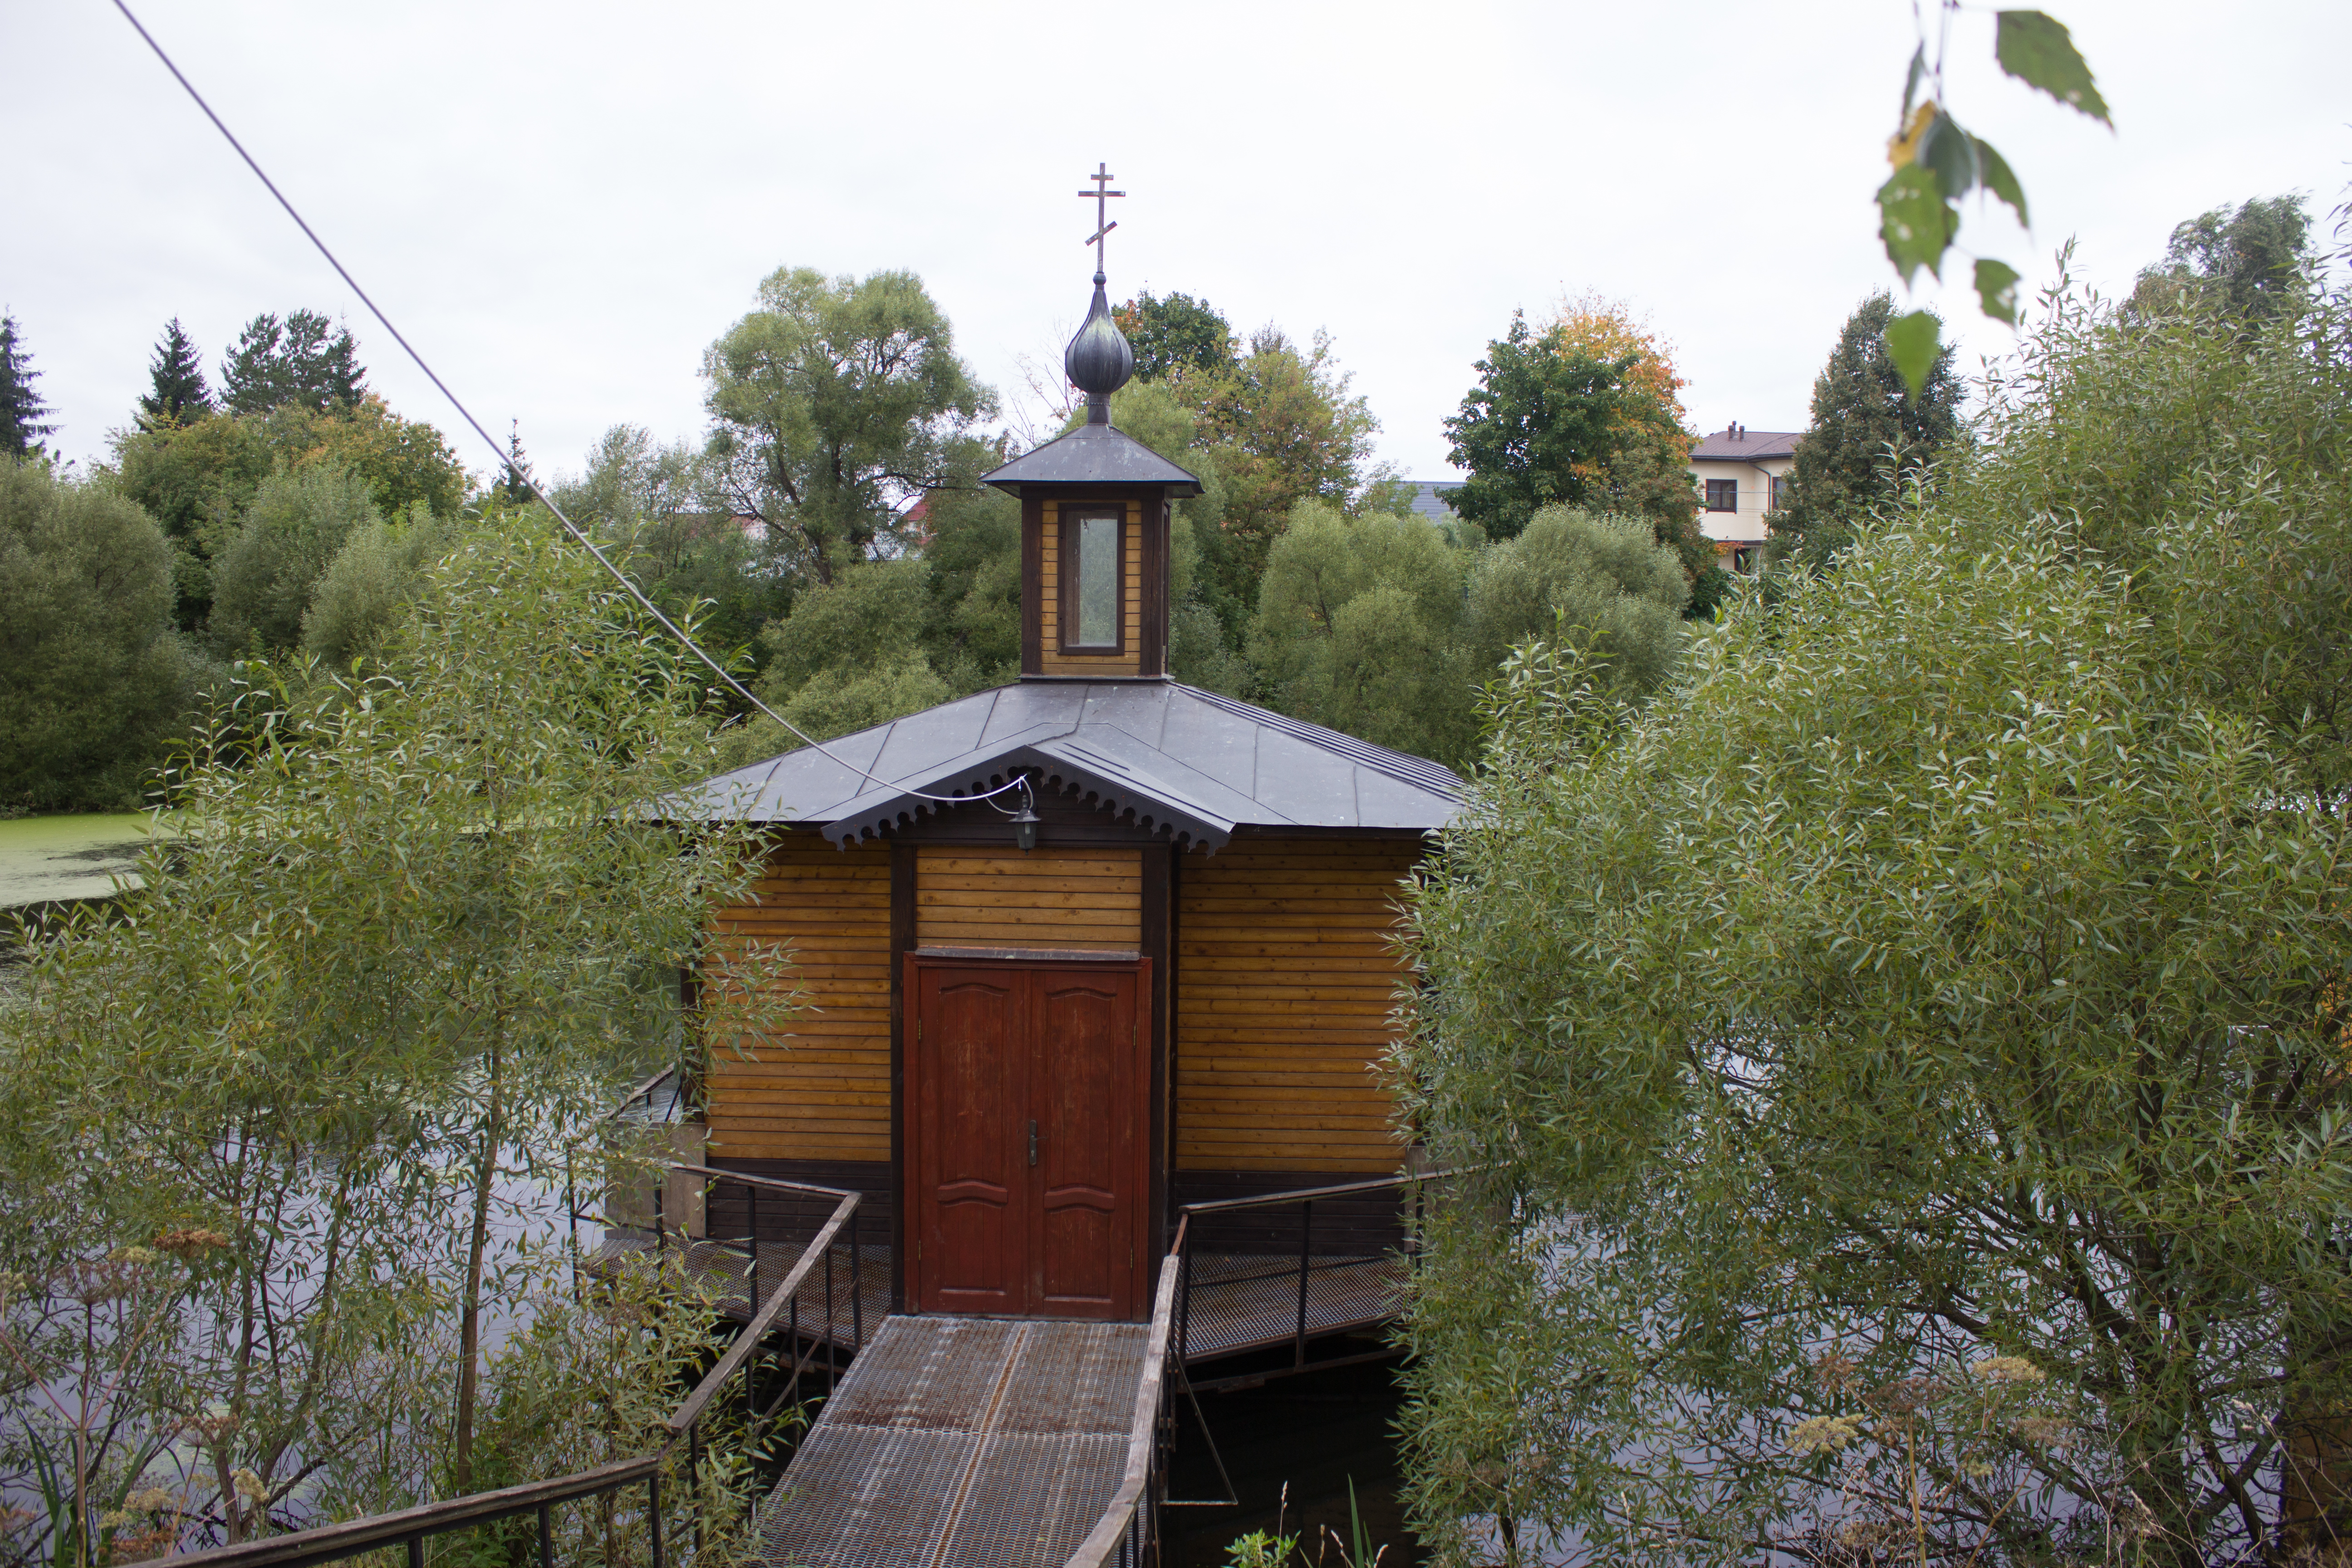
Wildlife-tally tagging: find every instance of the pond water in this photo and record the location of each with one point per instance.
(1316, 1432)
(45, 857)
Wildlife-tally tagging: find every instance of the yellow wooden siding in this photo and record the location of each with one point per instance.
(1049, 602)
(1068, 898)
(821, 1089)
(1284, 986)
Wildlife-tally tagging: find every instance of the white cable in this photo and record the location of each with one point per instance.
(1021, 781)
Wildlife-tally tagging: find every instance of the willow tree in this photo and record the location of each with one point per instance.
(422, 922)
(1906, 1058)
(834, 403)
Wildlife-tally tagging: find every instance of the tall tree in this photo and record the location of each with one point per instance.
(832, 404)
(22, 412)
(1870, 435)
(2249, 262)
(198, 479)
(1174, 333)
(1284, 428)
(177, 391)
(298, 361)
(1583, 414)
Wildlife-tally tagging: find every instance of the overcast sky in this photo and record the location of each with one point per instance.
(562, 205)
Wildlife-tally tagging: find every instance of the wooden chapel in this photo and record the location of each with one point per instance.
(1154, 970)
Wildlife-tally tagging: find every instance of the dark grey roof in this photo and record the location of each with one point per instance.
(1181, 761)
(1723, 447)
(1429, 499)
(1093, 455)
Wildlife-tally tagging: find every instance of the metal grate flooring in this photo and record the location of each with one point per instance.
(719, 1266)
(1241, 1302)
(961, 1443)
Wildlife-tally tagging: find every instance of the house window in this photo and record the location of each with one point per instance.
(1092, 567)
(1723, 494)
(1780, 492)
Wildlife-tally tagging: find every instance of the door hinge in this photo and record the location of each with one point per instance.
(918, 1028)
(1032, 1140)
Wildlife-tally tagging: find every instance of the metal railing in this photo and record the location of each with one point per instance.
(1130, 1523)
(1302, 1264)
(412, 1528)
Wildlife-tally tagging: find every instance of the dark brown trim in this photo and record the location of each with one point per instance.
(1066, 578)
(1033, 954)
(1154, 628)
(1289, 830)
(902, 941)
(1156, 923)
(1032, 584)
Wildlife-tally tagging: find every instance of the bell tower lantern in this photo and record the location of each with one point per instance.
(1094, 516)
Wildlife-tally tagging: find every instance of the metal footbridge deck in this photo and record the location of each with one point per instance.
(963, 1443)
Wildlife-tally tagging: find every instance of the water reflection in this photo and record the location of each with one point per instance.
(1315, 1431)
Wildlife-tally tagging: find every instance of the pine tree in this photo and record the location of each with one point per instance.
(292, 361)
(1869, 437)
(178, 376)
(21, 408)
(517, 486)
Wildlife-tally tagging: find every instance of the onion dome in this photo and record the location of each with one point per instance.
(1098, 360)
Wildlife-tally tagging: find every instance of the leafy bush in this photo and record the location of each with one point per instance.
(93, 681)
(1906, 1058)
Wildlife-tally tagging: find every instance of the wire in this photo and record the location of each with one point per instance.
(1019, 782)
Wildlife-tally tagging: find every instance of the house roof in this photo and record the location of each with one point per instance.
(1093, 455)
(1179, 760)
(1746, 446)
(1429, 499)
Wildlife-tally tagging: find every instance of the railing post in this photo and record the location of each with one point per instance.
(792, 1339)
(1306, 1236)
(828, 1319)
(751, 1270)
(856, 1284)
(653, 1515)
(1184, 1285)
(694, 1479)
(416, 1550)
(661, 1185)
(546, 1538)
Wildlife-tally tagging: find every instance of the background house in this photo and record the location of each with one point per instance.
(1743, 476)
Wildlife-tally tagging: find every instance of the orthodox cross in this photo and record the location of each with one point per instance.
(1101, 196)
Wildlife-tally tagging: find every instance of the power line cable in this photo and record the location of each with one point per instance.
(1019, 782)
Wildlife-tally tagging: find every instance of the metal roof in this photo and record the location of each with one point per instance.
(1179, 760)
(1093, 455)
(1429, 499)
(1746, 446)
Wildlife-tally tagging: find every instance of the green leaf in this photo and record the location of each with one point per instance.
(1911, 82)
(1997, 289)
(1915, 220)
(1998, 178)
(2037, 50)
(1912, 342)
(1952, 154)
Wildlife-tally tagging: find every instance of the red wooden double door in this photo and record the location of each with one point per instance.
(1027, 1154)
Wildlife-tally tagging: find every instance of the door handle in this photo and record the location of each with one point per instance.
(1032, 1140)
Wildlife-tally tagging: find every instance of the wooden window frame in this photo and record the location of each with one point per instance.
(1781, 493)
(1720, 487)
(1066, 563)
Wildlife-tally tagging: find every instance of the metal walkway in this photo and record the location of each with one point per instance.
(961, 1443)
